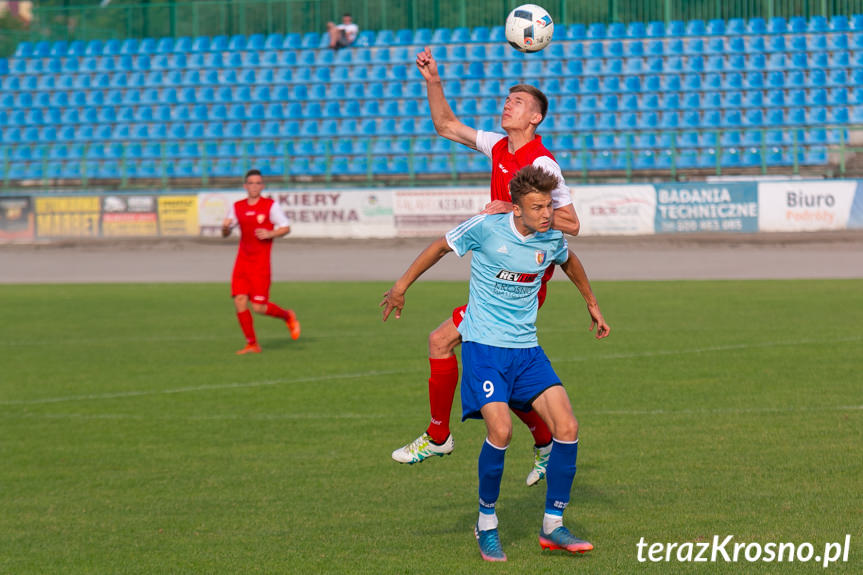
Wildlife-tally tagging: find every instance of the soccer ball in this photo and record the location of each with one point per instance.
(529, 28)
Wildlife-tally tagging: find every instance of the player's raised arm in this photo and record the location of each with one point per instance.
(394, 298)
(445, 121)
(575, 271)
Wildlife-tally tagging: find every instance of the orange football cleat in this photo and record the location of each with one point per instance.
(293, 324)
(250, 348)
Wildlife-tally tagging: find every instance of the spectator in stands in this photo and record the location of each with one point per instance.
(344, 34)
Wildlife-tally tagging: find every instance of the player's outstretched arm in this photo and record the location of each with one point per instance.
(445, 121)
(394, 298)
(575, 271)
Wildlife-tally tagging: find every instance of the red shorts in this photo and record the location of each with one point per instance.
(251, 281)
(458, 313)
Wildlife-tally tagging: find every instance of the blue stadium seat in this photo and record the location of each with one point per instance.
(798, 25)
(441, 36)
(94, 48)
(635, 30)
(147, 46)
(384, 38)
(695, 28)
(837, 97)
(839, 23)
(292, 41)
(615, 30)
(655, 29)
(756, 26)
(596, 30)
(716, 27)
(422, 36)
(365, 39)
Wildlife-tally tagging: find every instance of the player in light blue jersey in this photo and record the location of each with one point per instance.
(503, 364)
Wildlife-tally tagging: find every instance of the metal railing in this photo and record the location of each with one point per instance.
(580, 165)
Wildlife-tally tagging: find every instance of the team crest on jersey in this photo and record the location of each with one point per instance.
(261, 218)
(540, 257)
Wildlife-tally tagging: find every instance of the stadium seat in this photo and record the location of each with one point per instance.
(441, 36)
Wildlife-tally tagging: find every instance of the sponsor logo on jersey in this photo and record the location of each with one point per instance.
(516, 277)
(502, 249)
(540, 257)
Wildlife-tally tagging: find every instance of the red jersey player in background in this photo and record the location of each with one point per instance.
(260, 220)
(523, 111)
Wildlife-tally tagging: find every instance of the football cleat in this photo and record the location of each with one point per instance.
(250, 348)
(293, 324)
(540, 463)
(489, 544)
(562, 539)
(422, 448)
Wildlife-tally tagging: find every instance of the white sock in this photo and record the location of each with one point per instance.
(551, 522)
(487, 521)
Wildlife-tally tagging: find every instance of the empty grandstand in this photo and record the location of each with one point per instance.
(647, 100)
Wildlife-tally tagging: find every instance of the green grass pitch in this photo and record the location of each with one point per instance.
(133, 440)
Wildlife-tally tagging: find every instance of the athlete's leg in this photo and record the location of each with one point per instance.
(261, 304)
(247, 324)
(541, 432)
(553, 405)
(443, 378)
(490, 471)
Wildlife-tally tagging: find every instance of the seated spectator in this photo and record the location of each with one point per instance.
(344, 34)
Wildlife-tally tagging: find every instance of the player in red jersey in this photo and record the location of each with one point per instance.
(260, 220)
(523, 111)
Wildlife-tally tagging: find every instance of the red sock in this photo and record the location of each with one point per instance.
(442, 384)
(247, 324)
(541, 432)
(275, 311)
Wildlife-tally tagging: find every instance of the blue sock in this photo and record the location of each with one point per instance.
(559, 476)
(490, 467)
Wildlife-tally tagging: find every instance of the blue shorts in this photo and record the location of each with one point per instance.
(515, 376)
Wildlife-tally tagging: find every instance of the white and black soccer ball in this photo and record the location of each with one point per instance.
(529, 28)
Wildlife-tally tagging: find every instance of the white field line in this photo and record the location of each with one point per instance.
(378, 416)
(376, 373)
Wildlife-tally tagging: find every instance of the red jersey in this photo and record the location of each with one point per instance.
(504, 165)
(250, 218)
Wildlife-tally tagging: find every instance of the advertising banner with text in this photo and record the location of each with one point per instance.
(129, 216)
(212, 209)
(707, 207)
(805, 206)
(68, 217)
(16, 218)
(615, 210)
(435, 211)
(362, 213)
(178, 216)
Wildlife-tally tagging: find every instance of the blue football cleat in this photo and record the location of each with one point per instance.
(561, 538)
(489, 544)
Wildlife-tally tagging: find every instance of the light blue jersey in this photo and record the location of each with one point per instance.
(505, 276)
